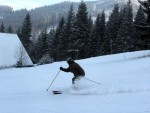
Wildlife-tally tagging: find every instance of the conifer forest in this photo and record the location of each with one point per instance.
(81, 36)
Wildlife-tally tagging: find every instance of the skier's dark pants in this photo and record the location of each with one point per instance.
(76, 78)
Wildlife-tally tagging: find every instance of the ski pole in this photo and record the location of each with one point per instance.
(53, 80)
(91, 80)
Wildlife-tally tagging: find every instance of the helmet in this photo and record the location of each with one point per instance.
(69, 59)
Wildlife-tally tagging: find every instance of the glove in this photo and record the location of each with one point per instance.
(61, 68)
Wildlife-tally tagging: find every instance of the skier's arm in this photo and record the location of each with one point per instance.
(65, 69)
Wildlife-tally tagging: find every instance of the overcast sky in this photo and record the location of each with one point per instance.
(30, 4)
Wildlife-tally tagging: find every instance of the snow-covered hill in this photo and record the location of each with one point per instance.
(50, 14)
(124, 88)
(108, 5)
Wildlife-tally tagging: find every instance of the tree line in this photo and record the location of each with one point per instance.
(80, 37)
(4, 29)
(40, 17)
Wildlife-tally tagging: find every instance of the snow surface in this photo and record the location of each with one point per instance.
(9, 50)
(124, 88)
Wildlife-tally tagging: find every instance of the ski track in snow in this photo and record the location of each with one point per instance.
(105, 91)
(82, 87)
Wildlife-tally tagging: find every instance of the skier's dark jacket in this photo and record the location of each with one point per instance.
(74, 68)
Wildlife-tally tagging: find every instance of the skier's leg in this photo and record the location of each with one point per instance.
(76, 78)
(74, 86)
(73, 80)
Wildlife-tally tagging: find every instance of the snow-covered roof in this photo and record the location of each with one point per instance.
(11, 50)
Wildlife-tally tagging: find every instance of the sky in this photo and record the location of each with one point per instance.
(31, 4)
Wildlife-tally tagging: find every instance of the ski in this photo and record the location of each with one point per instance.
(57, 92)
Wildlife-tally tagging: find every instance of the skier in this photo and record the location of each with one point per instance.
(74, 68)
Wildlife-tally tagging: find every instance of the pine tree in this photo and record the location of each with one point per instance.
(19, 32)
(89, 39)
(69, 26)
(58, 41)
(102, 33)
(146, 8)
(51, 36)
(2, 29)
(140, 20)
(10, 30)
(91, 31)
(90, 22)
(98, 34)
(26, 33)
(124, 41)
(81, 31)
(45, 48)
(112, 28)
(41, 45)
(38, 48)
(145, 30)
(95, 36)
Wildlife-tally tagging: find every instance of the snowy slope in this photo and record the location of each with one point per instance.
(124, 88)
